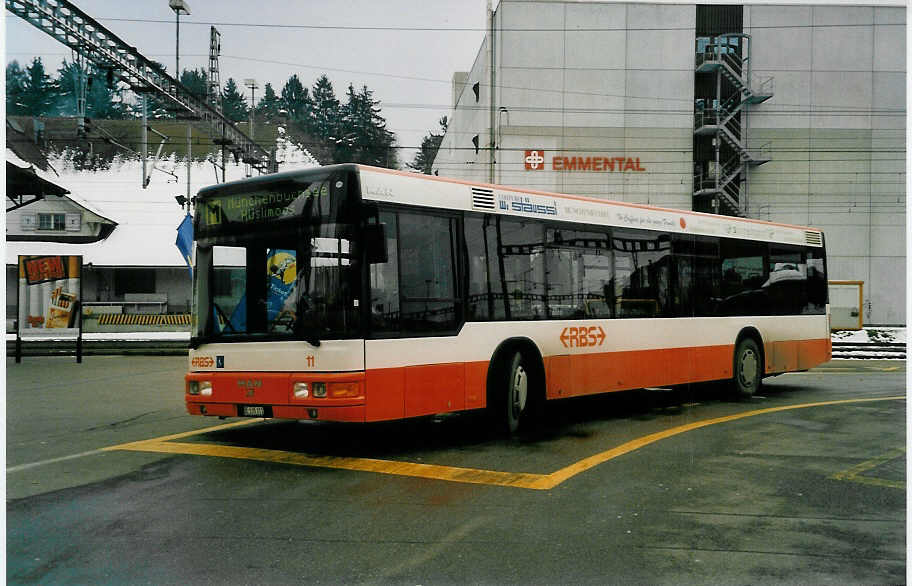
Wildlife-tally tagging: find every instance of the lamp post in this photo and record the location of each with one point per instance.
(179, 7)
(252, 84)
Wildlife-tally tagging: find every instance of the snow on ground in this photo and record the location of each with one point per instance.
(872, 335)
(147, 218)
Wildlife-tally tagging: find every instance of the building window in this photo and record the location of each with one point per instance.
(55, 222)
(134, 281)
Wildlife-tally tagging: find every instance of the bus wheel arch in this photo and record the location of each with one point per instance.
(515, 384)
(747, 363)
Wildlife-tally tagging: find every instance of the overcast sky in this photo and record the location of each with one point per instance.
(409, 71)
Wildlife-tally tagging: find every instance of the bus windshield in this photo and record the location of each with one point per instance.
(278, 262)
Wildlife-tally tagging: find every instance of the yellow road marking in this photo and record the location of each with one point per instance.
(182, 435)
(854, 474)
(431, 471)
(167, 445)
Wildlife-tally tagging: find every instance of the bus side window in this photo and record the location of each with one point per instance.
(743, 278)
(642, 273)
(786, 285)
(427, 273)
(696, 290)
(480, 303)
(817, 288)
(579, 273)
(520, 247)
(384, 281)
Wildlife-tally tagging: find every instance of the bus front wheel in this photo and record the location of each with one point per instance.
(509, 402)
(747, 369)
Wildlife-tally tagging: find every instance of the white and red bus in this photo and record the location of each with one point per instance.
(352, 293)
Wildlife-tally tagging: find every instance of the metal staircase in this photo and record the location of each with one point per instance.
(727, 58)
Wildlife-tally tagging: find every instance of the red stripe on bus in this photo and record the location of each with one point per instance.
(411, 391)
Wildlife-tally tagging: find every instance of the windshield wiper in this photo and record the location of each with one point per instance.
(224, 317)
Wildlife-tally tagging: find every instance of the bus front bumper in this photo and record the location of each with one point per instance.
(325, 397)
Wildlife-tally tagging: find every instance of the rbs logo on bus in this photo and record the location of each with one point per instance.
(202, 362)
(583, 337)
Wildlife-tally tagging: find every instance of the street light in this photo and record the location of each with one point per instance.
(252, 84)
(179, 7)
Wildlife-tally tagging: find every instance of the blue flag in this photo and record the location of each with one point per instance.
(185, 241)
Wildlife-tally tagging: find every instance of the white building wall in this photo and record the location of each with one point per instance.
(23, 222)
(836, 128)
(617, 80)
(597, 80)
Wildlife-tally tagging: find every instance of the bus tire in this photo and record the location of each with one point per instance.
(747, 369)
(510, 401)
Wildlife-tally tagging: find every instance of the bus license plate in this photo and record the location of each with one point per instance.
(253, 411)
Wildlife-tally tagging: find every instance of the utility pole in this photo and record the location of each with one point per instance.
(252, 84)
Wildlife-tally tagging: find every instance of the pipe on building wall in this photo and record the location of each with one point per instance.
(492, 108)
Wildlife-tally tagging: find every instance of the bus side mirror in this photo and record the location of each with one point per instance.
(375, 244)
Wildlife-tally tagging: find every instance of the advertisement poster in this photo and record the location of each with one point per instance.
(49, 290)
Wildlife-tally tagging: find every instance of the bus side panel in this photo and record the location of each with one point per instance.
(781, 356)
(814, 352)
(711, 363)
(476, 383)
(793, 355)
(436, 388)
(385, 393)
(615, 371)
(557, 376)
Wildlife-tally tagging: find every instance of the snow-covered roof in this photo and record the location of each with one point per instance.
(147, 218)
(52, 177)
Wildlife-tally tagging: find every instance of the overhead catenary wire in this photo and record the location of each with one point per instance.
(440, 29)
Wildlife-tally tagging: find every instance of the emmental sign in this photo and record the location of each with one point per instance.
(536, 160)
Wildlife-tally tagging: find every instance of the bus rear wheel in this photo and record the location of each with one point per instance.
(747, 369)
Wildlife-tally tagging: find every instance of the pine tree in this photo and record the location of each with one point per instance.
(234, 106)
(103, 98)
(296, 102)
(196, 81)
(364, 137)
(15, 89)
(38, 94)
(65, 102)
(269, 105)
(326, 111)
(424, 158)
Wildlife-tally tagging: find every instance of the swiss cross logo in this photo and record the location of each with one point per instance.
(535, 160)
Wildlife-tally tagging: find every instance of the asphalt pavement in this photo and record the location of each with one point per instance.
(108, 480)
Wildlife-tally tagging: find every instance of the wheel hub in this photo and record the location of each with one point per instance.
(748, 370)
(519, 391)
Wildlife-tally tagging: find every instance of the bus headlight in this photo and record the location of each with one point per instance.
(199, 387)
(301, 391)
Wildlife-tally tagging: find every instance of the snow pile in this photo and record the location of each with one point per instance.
(288, 152)
(872, 335)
